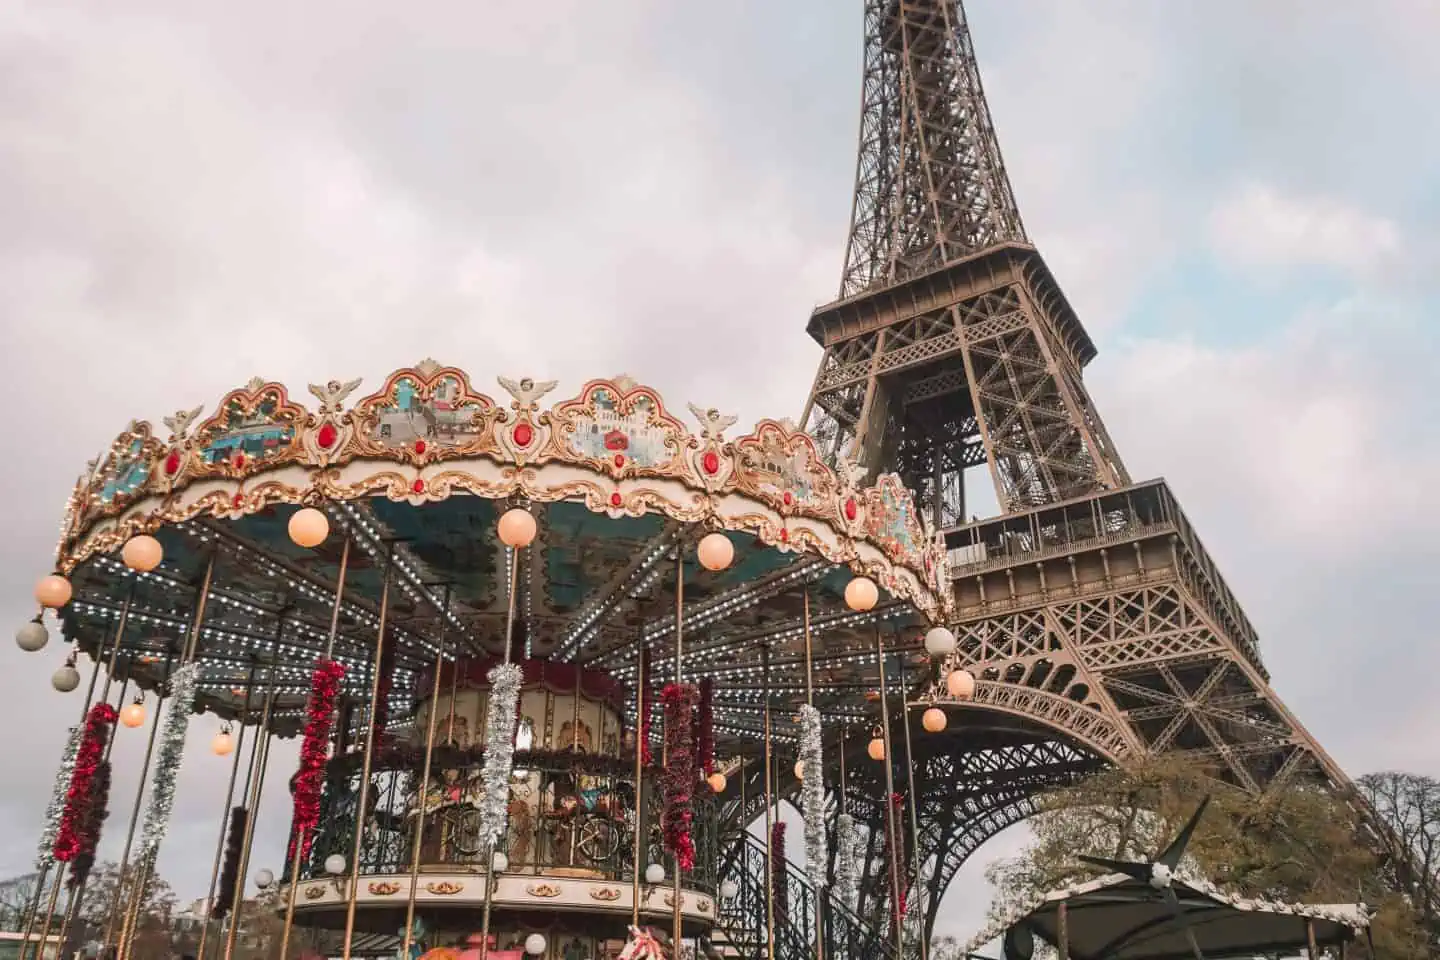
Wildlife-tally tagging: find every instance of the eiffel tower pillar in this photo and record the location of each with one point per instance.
(1096, 622)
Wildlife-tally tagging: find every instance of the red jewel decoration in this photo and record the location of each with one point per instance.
(710, 463)
(239, 460)
(851, 509)
(418, 486)
(327, 435)
(615, 500)
(239, 500)
(419, 446)
(784, 535)
(619, 460)
(172, 463)
(788, 499)
(523, 434)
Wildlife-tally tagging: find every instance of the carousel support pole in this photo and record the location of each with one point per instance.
(810, 702)
(225, 815)
(34, 907)
(490, 841)
(914, 815)
(120, 884)
(362, 801)
(769, 821)
(1314, 948)
(677, 915)
(260, 760)
(302, 836)
(430, 724)
(1062, 930)
(640, 705)
(147, 863)
(895, 842)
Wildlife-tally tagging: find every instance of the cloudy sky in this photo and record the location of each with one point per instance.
(1238, 196)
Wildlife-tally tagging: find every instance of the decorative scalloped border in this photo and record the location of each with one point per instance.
(804, 506)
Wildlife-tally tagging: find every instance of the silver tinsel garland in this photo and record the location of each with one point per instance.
(45, 853)
(812, 797)
(499, 749)
(847, 863)
(167, 760)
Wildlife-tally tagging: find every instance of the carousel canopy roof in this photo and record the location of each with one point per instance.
(1116, 916)
(420, 471)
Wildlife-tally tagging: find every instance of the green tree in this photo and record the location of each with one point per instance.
(1298, 843)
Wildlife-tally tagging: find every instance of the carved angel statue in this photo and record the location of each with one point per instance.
(179, 422)
(852, 474)
(333, 393)
(527, 392)
(712, 422)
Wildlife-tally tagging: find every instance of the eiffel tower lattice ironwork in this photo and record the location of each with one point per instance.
(1097, 624)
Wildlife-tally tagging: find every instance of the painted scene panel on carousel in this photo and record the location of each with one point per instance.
(127, 470)
(253, 426)
(630, 425)
(891, 520)
(438, 408)
(782, 466)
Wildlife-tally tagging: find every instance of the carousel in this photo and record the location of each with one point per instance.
(544, 662)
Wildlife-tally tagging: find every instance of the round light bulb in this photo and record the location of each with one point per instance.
(517, 528)
(861, 594)
(655, 873)
(876, 749)
(309, 527)
(799, 769)
(960, 684)
(133, 714)
(264, 877)
(53, 591)
(934, 720)
(535, 944)
(715, 551)
(32, 636)
(142, 553)
(335, 864)
(939, 642)
(223, 744)
(65, 679)
(717, 782)
(729, 890)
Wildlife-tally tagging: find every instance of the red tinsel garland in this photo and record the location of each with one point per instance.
(78, 816)
(897, 824)
(91, 820)
(314, 749)
(781, 893)
(679, 776)
(645, 704)
(705, 727)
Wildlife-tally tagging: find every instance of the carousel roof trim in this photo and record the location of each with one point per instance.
(1355, 916)
(427, 434)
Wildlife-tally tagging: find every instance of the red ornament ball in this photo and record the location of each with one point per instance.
(710, 462)
(852, 510)
(326, 436)
(523, 434)
(172, 463)
(788, 498)
(616, 500)
(419, 446)
(239, 460)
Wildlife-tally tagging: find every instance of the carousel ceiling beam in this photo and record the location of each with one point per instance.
(628, 584)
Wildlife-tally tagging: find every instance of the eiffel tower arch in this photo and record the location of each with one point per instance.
(1096, 622)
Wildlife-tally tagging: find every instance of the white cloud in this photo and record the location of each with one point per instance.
(1260, 226)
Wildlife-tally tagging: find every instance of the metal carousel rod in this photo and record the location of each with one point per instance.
(769, 827)
(430, 724)
(260, 762)
(225, 817)
(914, 817)
(640, 706)
(677, 915)
(894, 866)
(363, 799)
(121, 884)
(33, 908)
(301, 836)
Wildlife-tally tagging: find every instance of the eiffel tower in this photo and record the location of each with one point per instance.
(1097, 624)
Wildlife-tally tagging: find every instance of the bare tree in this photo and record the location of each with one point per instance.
(1409, 804)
